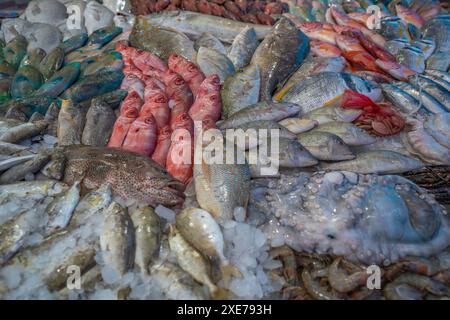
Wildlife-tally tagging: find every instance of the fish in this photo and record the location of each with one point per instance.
(348, 132)
(315, 91)
(439, 60)
(92, 203)
(191, 261)
(426, 46)
(99, 124)
(71, 122)
(440, 81)
(132, 176)
(15, 51)
(51, 118)
(94, 85)
(113, 98)
(428, 101)
(141, 136)
(332, 114)
(147, 228)
(373, 76)
(393, 46)
(243, 47)
(117, 240)
(60, 210)
(376, 161)
(158, 107)
(161, 41)
(437, 30)
(23, 131)
(213, 62)
(405, 102)
(44, 36)
(33, 58)
(11, 148)
(434, 89)
(437, 126)
(54, 169)
(103, 35)
(413, 58)
(409, 16)
(208, 102)
(264, 110)
(393, 28)
(75, 42)
(207, 40)
(97, 17)
(324, 49)
(111, 61)
(201, 230)
(60, 81)
(121, 127)
(177, 90)
(439, 74)
(298, 125)
(52, 62)
(13, 161)
(5, 84)
(240, 90)
(325, 146)
(132, 101)
(355, 53)
(148, 63)
(312, 65)
(279, 55)
(6, 70)
(188, 71)
(162, 145)
(194, 24)
(323, 32)
(20, 171)
(25, 82)
(395, 69)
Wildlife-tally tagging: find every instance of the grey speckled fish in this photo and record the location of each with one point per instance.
(243, 47)
(213, 62)
(240, 90)
(279, 55)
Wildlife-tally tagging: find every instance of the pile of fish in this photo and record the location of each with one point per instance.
(258, 12)
(100, 129)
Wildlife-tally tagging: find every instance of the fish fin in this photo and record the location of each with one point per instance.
(282, 93)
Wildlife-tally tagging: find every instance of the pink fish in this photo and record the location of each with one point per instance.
(148, 62)
(162, 145)
(188, 70)
(153, 86)
(131, 101)
(209, 85)
(395, 69)
(141, 137)
(207, 106)
(177, 87)
(121, 127)
(319, 31)
(409, 16)
(158, 106)
(133, 83)
(324, 49)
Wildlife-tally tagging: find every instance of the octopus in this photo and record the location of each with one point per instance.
(364, 218)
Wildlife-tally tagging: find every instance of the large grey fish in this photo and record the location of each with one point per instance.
(23, 131)
(348, 132)
(60, 210)
(427, 100)
(264, 110)
(412, 57)
(434, 89)
(117, 239)
(100, 120)
(315, 91)
(207, 40)
(11, 148)
(212, 62)
(147, 227)
(160, 40)
(313, 65)
(325, 146)
(193, 24)
(240, 90)
(402, 100)
(220, 188)
(331, 114)
(376, 161)
(70, 124)
(13, 161)
(19, 172)
(243, 47)
(279, 55)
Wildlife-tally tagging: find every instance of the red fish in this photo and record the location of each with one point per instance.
(178, 107)
(209, 85)
(409, 16)
(355, 53)
(395, 69)
(188, 70)
(148, 62)
(324, 49)
(176, 87)
(132, 70)
(162, 145)
(153, 86)
(121, 127)
(319, 31)
(131, 101)
(207, 106)
(126, 51)
(158, 106)
(133, 83)
(141, 137)
(374, 49)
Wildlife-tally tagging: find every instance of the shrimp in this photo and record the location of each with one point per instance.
(411, 286)
(341, 281)
(315, 290)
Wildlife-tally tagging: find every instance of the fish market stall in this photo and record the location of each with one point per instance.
(285, 149)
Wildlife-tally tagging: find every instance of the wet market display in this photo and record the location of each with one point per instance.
(212, 149)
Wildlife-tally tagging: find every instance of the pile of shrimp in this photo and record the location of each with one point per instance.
(325, 277)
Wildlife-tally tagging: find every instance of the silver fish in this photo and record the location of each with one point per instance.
(402, 100)
(393, 46)
(428, 101)
(348, 132)
(207, 40)
(19, 172)
(70, 124)
(412, 57)
(439, 127)
(434, 89)
(213, 62)
(331, 114)
(325, 146)
(427, 46)
(243, 47)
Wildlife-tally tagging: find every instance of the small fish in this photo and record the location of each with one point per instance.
(177, 89)
(208, 103)
(60, 210)
(298, 125)
(243, 47)
(162, 145)
(23, 131)
(264, 110)
(11, 148)
(201, 230)
(111, 61)
(70, 124)
(440, 81)
(75, 42)
(148, 63)
(324, 49)
(413, 58)
(318, 31)
(100, 120)
(157, 106)
(52, 62)
(188, 70)
(331, 114)
(434, 89)
(121, 127)
(349, 133)
(240, 90)
(207, 40)
(33, 58)
(141, 136)
(94, 202)
(19, 171)
(25, 82)
(103, 35)
(393, 46)
(132, 101)
(395, 69)
(117, 239)
(191, 261)
(15, 51)
(213, 62)
(54, 169)
(60, 81)
(406, 103)
(376, 161)
(325, 146)
(438, 126)
(11, 162)
(147, 228)
(409, 16)
(427, 46)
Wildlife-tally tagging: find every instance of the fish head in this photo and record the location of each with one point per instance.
(183, 121)
(284, 25)
(164, 133)
(211, 83)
